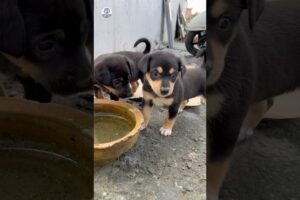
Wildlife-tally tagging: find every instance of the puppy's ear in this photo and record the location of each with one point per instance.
(12, 28)
(131, 68)
(181, 67)
(255, 9)
(144, 64)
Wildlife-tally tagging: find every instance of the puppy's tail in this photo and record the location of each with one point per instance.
(146, 41)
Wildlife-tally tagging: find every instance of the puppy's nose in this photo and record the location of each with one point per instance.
(164, 90)
(126, 95)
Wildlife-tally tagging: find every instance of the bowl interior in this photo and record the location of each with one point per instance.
(126, 110)
(45, 151)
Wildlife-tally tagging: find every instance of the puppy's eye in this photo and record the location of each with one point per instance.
(155, 74)
(173, 76)
(46, 46)
(117, 83)
(224, 23)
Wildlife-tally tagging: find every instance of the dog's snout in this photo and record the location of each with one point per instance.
(164, 90)
(126, 94)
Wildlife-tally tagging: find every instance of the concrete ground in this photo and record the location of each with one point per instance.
(267, 165)
(159, 167)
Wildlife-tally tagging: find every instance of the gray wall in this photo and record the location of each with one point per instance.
(130, 20)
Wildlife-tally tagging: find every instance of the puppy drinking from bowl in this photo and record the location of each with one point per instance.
(117, 74)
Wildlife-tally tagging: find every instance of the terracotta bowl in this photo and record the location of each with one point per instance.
(105, 152)
(45, 151)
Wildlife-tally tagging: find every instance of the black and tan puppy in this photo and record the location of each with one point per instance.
(47, 40)
(247, 66)
(117, 73)
(167, 82)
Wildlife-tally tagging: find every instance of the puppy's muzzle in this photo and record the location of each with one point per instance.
(164, 90)
(125, 94)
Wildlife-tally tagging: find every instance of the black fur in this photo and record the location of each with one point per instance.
(119, 66)
(12, 28)
(262, 61)
(52, 36)
(189, 83)
(146, 41)
(256, 70)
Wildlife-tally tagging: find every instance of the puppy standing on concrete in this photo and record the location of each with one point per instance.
(167, 82)
(117, 73)
(245, 71)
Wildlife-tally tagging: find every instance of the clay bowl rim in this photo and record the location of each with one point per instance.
(49, 111)
(138, 117)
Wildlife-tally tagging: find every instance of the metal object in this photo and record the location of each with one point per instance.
(169, 23)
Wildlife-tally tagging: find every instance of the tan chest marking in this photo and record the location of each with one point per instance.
(163, 101)
(158, 101)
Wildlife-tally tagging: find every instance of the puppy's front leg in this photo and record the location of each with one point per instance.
(147, 110)
(2, 91)
(166, 130)
(113, 97)
(134, 86)
(216, 171)
(222, 135)
(35, 91)
(98, 93)
(183, 105)
(255, 114)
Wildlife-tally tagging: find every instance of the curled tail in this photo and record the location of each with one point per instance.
(146, 41)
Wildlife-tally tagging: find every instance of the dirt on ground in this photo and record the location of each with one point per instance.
(267, 165)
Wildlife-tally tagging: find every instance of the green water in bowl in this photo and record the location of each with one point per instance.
(35, 175)
(109, 127)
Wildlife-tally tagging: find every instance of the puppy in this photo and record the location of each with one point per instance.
(117, 73)
(245, 71)
(166, 81)
(48, 40)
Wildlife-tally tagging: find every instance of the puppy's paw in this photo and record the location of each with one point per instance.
(180, 110)
(165, 131)
(143, 127)
(245, 134)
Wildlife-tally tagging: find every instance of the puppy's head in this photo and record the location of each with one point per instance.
(115, 73)
(161, 70)
(222, 18)
(47, 39)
